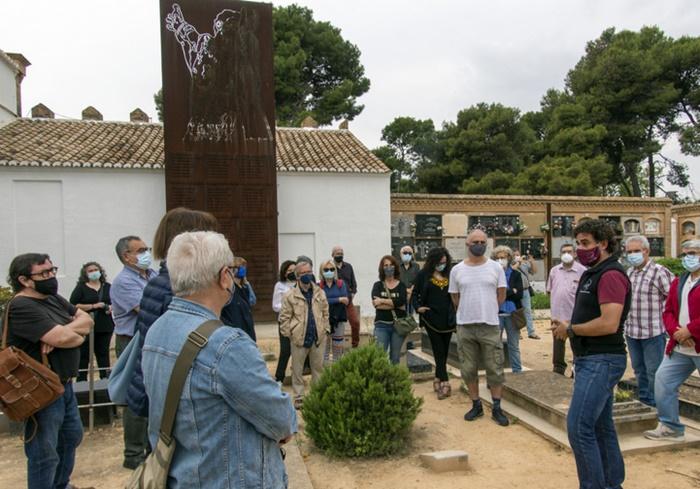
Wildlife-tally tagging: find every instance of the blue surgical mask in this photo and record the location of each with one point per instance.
(635, 259)
(307, 279)
(241, 272)
(406, 257)
(691, 263)
(94, 275)
(440, 267)
(144, 260)
(329, 275)
(389, 271)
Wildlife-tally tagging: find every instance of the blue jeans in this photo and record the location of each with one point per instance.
(390, 340)
(527, 305)
(513, 340)
(590, 425)
(674, 370)
(646, 355)
(51, 453)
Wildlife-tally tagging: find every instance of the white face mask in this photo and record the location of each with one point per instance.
(567, 258)
(503, 262)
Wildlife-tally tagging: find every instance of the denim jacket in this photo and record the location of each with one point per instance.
(231, 415)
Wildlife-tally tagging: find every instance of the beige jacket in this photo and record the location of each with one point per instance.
(294, 315)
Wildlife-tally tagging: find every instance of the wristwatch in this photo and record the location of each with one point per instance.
(570, 331)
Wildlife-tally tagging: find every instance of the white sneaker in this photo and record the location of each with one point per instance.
(663, 432)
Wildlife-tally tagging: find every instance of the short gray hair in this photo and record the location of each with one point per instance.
(123, 246)
(502, 249)
(195, 260)
(691, 243)
(638, 239)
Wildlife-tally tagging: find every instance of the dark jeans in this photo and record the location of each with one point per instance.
(283, 360)
(136, 445)
(559, 356)
(590, 423)
(441, 348)
(101, 355)
(51, 453)
(646, 356)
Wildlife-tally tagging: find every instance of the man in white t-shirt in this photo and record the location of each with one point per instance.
(478, 287)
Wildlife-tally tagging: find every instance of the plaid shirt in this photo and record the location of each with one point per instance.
(650, 286)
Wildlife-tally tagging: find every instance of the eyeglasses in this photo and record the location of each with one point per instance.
(48, 273)
(689, 253)
(329, 269)
(407, 253)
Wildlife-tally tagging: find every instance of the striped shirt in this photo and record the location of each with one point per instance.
(650, 286)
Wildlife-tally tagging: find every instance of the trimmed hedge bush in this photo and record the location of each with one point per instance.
(673, 264)
(361, 406)
(540, 301)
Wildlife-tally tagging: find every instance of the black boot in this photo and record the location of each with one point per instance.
(475, 412)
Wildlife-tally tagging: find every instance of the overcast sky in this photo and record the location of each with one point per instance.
(424, 59)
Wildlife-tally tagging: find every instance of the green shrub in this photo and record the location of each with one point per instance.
(673, 264)
(540, 301)
(361, 406)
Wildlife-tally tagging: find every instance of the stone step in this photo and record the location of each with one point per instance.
(446, 460)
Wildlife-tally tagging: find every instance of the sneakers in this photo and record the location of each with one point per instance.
(476, 411)
(663, 432)
(500, 418)
(298, 402)
(534, 336)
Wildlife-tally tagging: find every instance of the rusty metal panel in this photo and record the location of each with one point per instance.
(219, 124)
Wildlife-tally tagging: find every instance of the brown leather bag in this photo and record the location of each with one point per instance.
(26, 386)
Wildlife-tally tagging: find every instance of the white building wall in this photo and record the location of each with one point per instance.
(320, 210)
(96, 207)
(77, 215)
(8, 91)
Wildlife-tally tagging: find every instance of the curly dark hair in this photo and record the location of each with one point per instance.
(283, 269)
(394, 262)
(83, 278)
(433, 259)
(600, 230)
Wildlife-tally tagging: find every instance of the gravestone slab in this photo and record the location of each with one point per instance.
(688, 396)
(547, 395)
(416, 364)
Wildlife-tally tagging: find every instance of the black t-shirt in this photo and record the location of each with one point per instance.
(398, 297)
(84, 294)
(441, 315)
(30, 319)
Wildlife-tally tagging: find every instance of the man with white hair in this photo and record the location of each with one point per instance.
(232, 416)
(478, 288)
(644, 329)
(682, 321)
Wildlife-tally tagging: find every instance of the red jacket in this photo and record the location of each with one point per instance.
(673, 309)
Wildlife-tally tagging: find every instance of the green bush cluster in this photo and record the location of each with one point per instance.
(361, 406)
(540, 301)
(673, 264)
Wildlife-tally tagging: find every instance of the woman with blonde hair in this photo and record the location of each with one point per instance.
(514, 295)
(338, 298)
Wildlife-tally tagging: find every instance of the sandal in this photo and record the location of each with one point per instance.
(298, 403)
(445, 390)
(436, 385)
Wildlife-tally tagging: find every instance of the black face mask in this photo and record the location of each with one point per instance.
(477, 249)
(46, 287)
(291, 276)
(338, 259)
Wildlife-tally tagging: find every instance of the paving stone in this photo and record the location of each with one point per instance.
(446, 460)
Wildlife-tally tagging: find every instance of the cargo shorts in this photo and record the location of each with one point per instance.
(480, 345)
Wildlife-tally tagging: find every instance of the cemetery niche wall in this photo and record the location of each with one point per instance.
(219, 123)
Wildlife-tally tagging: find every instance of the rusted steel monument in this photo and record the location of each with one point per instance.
(219, 123)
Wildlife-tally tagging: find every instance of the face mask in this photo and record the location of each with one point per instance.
(291, 277)
(516, 259)
(440, 267)
(691, 263)
(406, 257)
(567, 258)
(389, 271)
(477, 249)
(241, 272)
(46, 287)
(588, 257)
(328, 275)
(144, 260)
(307, 279)
(338, 259)
(93, 276)
(635, 259)
(503, 262)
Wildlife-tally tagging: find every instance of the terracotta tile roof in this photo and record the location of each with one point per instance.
(96, 144)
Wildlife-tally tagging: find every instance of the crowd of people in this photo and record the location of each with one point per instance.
(232, 405)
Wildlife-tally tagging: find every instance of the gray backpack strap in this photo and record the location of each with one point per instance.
(196, 340)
